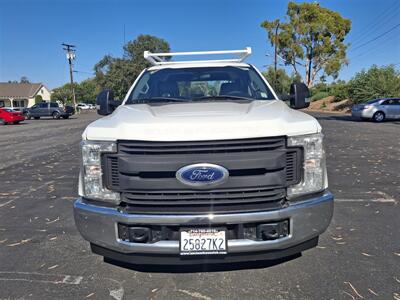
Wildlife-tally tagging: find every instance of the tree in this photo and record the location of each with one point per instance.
(24, 79)
(38, 99)
(283, 80)
(86, 91)
(312, 39)
(62, 93)
(375, 83)
(118, 74)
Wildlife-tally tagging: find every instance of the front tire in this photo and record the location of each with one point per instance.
(36, 118)
(379, 117)
(56, 115)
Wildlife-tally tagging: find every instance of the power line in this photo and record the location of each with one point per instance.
(372, 49)
(85, 72)
(377, 37)
(381, 18)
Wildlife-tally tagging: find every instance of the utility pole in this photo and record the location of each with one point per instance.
(276, 53)
(70, 52)
(309, 67)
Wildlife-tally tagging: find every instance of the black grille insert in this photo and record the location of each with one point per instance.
(218, 201)
(222, 146)
(293, 165)
(112, 165)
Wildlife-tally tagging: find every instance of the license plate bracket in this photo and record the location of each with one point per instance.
(203, 241)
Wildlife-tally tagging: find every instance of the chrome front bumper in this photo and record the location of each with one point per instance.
(308, 219)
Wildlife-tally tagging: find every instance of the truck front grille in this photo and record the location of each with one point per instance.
(224, 146)
(260, 169)
(193, 202)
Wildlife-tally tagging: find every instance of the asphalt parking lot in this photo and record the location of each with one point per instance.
(42, 256)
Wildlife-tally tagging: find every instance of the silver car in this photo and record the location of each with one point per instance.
(377, 110)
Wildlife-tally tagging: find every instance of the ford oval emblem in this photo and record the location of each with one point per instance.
(202, 175)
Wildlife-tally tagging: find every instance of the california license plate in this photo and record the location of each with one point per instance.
(203, 241)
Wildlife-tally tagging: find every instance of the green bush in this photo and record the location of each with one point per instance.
(319, 96)
(38, 99)
(374, 83)
(340, 91)
(318, 87)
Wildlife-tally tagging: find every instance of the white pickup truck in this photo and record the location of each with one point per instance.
(202, 163)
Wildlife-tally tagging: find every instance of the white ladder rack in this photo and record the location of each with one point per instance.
(159, 58)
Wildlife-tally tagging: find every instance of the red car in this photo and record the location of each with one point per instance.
(8, 116)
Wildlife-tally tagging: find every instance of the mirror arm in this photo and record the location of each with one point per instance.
(114, 104)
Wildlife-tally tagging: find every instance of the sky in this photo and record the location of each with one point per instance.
(31, 32)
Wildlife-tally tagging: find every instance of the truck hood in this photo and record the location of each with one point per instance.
(201, 121)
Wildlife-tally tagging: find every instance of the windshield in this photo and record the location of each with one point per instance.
(200, 84)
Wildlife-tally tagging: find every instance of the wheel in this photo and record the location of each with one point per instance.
(65, 117)
(27, 116)
(56, 115)
(379, 116)
(36, 118)
(2, 122)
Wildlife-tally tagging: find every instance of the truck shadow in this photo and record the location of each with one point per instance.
(220, 267)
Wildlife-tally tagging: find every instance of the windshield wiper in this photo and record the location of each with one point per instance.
(159, 99)
(223, 97)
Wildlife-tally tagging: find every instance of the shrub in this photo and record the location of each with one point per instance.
(319, 96)
(319, 87)
(375, 83)
(340, 91)
(38, 99)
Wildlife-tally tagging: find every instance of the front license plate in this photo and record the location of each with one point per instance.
(203, 241)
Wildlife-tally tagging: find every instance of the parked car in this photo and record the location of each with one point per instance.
(10, 116)
(48, 109)
(83, 106)
(181, 173)
(377, 110)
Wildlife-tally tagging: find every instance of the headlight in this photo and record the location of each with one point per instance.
(91, 173)
(314, 177)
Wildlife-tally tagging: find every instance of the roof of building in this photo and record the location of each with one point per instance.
(19, 90)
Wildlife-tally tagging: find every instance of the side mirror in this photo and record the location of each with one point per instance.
(105, 102)
(299, 95)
